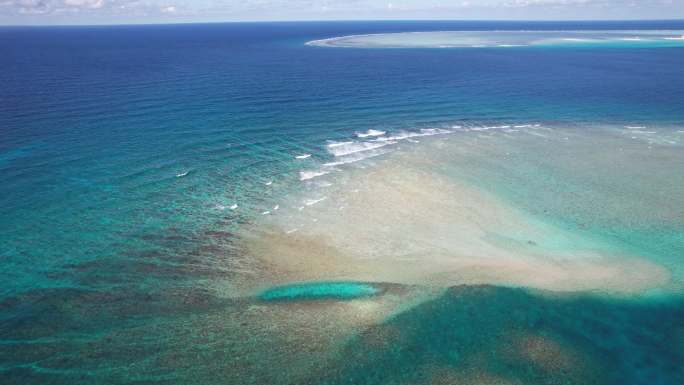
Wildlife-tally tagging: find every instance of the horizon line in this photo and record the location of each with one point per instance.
(333, 21)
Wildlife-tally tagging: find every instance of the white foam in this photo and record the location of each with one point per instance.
(332, 143)
(276, 207)
(303, 156)
(266, 212)
(234, 206)
(306, 175)
(330, 41)
(182, 174)
(396, 136)
(433, 131)
(312, 202)
(268, 183)
(370, 132)
(322, 183)
(401, 135)
(486, 128)
(291, 231)
(536, 134)
(354, 147)
(493, 128)
(352, 158)
(634, 127)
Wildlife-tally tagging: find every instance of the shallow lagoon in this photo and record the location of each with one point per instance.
(318, 290)
(510, 39)
(474, 204)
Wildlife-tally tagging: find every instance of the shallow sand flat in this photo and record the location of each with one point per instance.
(404, 220)
(508, 39)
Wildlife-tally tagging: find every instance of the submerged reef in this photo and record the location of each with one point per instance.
(468, 334)
(494, 335)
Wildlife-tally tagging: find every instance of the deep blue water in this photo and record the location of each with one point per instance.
(106, 245)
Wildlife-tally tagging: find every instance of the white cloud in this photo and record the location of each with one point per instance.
(94, 4)
(99, 8)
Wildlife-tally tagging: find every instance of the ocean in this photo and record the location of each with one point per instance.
(343, 203)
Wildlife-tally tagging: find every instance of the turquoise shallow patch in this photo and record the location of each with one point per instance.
(319, 290)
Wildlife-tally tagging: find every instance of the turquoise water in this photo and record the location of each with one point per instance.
(227, 204)
(318, 290)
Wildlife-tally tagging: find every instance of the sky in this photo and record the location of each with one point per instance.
(22, 12)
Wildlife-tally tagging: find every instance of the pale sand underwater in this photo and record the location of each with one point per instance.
(409, 218)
